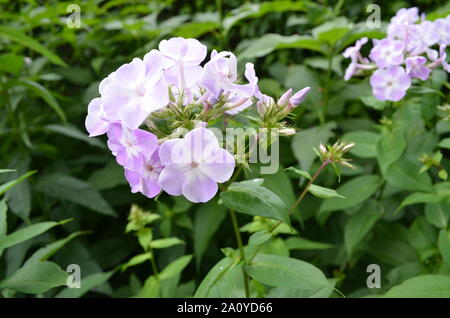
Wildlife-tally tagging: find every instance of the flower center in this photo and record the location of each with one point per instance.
(149, 167)
(194, 165)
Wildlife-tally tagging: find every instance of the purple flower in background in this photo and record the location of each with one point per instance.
(130, 146)
(387, 52)
(428, 32)
(353, 52)
(145, 179)
(443, 29)
(194, 165)
(405, 17)
(390, 84)
(220, 75)
(97, 122)
(136, 90)
(415, 67)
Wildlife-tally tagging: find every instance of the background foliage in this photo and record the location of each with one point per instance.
(70, 201)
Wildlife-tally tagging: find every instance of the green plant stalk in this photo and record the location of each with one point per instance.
(241, 250)
(152, 261)
(299, 200)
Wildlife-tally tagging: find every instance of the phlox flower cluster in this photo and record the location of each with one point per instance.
(172, 79)
(412, 48)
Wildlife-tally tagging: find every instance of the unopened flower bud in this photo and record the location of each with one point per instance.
(284, 99)
(298, 97)
(287, 131)
(261, 108)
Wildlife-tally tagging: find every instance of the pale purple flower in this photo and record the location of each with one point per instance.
(220, 75)
(401, 21)
(428, 32)
(136, 90)
(387, 52)
(415, 67)
(194, 165)
(130, 146)
(390, 84)
(97, 122)
(145, 179)
(353, 52)
(182, 58)
(439, 58)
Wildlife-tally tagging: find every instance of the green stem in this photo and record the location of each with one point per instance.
(152, 260)
(241, 250)
(308, 185)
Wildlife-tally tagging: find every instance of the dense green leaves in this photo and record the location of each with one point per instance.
(426, 286)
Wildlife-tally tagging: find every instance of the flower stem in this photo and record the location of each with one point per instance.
(152, 261)
(241, 250)
(305, 190)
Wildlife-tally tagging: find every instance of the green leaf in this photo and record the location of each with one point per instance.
(438, 214)
(444, 246)
(404, 175)
(373, 102)
(255, 200)
(268, 43)
(356, 191)
(324, 193)
(299, 243)
(425, 286)
(19, 37)
(255, 10)
(136, 260)
(6, 170)
(259, 238)
(299, 172)
(445, 143)
(42, 92)
(72, 189)
(150, 289)
(166, 242)
(208, 218)
(3, 220)
(358, 225)
(5, 187)
(211, 283)
(332, 31)
(87, 283)
(175, 267)
(44, 253)
(73, 132)
(280, 271)
(35, 278)
(195, 29)
(25, 234)
(390, 147)
(11, 63)
(305, 140)
(365, 143)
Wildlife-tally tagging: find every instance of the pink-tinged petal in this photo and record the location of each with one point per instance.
(129, 161)
(114, 97)
(199, 188)
(196, 52)
(133, 113)
(145, 142)
(134, 180)
(156, 97)
(220, 167)
(174, 48)
(171, 180)
(153, 62)
(171, 151)
(95, 125)
(131, 72)
(150, 187)
(199, 144)
(250, 74)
